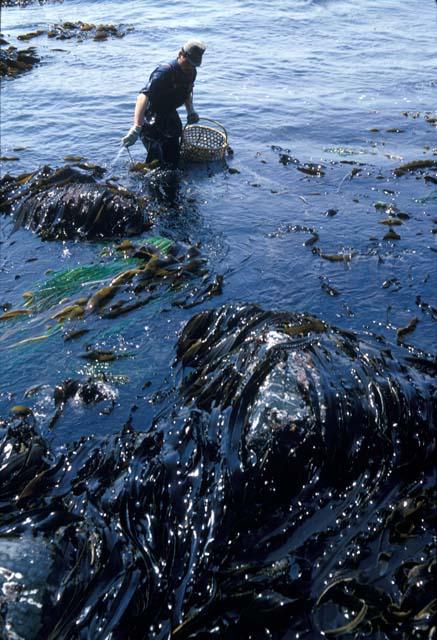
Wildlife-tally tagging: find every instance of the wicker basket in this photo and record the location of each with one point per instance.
(203, 143)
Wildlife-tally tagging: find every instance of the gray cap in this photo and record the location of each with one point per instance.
(194, 50)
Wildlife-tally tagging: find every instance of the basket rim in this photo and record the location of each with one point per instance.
(216, 122)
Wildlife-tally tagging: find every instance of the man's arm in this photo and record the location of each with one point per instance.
(140, 109)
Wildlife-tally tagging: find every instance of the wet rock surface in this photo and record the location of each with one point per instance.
(81, 30)
(287, 485)
(14, 62)
(26, 3)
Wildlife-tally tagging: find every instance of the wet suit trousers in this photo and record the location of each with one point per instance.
(166, 151)
(162, 140)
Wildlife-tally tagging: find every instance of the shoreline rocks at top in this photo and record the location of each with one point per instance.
(82, 30)
(26, 3)
(14, 62)
(79, 30)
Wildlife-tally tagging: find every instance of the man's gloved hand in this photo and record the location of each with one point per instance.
(192, 117)
(131, 137)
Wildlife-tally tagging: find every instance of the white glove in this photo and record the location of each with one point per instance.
(131, 137)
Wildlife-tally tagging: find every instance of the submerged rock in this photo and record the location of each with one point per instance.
(288, 484)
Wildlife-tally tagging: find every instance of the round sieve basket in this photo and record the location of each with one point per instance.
(204, 143)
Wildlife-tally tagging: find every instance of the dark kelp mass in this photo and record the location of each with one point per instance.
(14, 189)
(81, 210)
(285, 488)
(67, 203)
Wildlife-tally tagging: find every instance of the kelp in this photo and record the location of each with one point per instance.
(69, 203)
(124, 285)
(391, 235)
(89, 211)
(117, 285)
(284, 488)
(415, 165)
(333, 257)
(403, 331)
(14, 313)
(14, 188)
(311, 169)
(31, 34)
(391, 222)
(65, 283)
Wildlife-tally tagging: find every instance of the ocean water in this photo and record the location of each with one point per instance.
(348, 86)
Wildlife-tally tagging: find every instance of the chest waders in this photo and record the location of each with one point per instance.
(161, 133)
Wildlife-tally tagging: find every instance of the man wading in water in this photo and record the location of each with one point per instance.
(156, 120)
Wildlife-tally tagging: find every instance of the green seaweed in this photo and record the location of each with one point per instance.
(65, 283)
(163, 244)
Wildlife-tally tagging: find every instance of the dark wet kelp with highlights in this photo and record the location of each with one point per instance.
(286, 487)
(67, 203)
